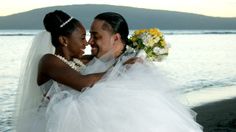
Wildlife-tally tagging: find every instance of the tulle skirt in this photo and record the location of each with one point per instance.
(128, 99)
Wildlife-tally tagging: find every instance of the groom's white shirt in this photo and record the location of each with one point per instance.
(102, 64)
(97, 65)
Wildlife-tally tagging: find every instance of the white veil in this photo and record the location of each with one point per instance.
(29, 94)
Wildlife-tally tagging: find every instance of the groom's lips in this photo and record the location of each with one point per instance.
(94, 49)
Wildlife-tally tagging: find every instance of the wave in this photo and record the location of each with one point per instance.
(205, 84)
(17, 34)
(195, 32)
(166, 32)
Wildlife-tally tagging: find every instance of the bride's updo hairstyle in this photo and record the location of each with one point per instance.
(115, 23)
(58, 23)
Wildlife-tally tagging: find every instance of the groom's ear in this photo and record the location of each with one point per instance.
(117, 36)
(63, 40)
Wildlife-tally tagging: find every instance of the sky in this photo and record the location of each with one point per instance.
(217, 8)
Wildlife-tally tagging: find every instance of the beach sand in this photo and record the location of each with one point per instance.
(217, 116)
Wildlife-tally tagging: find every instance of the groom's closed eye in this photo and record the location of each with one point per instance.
(92, 34)
(95, 37)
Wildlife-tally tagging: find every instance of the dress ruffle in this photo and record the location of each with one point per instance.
(135, 98)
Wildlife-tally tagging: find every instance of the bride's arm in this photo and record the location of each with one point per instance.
(51, 67)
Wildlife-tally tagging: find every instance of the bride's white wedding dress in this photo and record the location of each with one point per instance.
(129, 98)
(136, 98)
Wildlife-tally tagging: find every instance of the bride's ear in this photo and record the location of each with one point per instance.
(63, 41)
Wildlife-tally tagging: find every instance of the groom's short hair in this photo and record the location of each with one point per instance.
(115, 23)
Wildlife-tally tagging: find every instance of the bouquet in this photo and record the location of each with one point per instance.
(150, 43)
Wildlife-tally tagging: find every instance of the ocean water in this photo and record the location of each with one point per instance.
(202, 62)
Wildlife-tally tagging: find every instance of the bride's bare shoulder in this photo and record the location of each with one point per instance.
(45, 66)
(50, 59)
(50, 63)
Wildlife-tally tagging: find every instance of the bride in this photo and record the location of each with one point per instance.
(128, 98)
(51, 61)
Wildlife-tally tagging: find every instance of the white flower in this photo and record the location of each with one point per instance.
(135, 43)
(142, 54)
(156, 50)
(163, 51)
(146, 39)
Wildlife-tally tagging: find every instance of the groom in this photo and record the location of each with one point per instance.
(109, 31)
(109, 36)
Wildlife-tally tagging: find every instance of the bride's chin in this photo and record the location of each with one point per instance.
(81, 52)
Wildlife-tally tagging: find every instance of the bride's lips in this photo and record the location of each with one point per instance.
(82, 51)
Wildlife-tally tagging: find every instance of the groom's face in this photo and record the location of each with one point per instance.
(101, 39)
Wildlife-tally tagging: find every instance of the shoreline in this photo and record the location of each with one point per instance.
(219, 116)
(205, 96)
(215, 108)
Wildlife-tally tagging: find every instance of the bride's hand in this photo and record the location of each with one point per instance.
(133, 60)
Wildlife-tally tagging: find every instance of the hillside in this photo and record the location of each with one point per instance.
(136, 18)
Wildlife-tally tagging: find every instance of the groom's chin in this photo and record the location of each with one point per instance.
(94, 52)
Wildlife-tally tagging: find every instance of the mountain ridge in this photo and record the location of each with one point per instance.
(136, 18)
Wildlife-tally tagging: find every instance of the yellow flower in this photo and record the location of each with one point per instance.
(139, 32)
(155, 32)
(163, 43)
(133, 39)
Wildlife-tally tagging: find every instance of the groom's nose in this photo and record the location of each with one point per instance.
(90, 41)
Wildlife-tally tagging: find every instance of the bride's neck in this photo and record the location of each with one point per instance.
(64, 53)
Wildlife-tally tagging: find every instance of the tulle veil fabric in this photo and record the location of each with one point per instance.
(29, 95)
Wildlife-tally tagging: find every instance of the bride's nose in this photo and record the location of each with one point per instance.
(85, 43)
